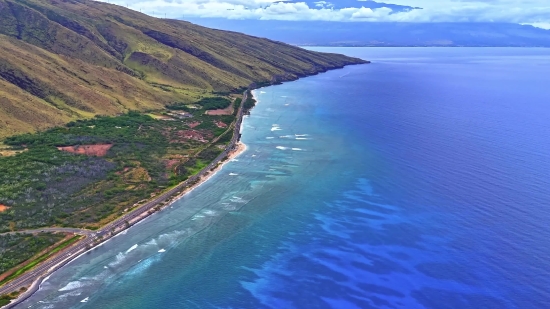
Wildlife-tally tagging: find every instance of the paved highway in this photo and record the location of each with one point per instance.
(53, 229)
(36, 275)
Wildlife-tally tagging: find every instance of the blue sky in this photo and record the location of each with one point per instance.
(534, 12)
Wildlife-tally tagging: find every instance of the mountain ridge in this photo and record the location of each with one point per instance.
(62, 60)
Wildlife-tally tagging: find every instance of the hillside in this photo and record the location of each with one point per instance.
(62, 60)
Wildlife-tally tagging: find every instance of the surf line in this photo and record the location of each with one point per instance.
(232, 150)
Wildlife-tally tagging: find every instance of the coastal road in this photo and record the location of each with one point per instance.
(53, 230)
(36, 275)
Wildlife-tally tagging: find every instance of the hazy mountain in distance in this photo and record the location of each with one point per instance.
(340, 4)
(327, 33)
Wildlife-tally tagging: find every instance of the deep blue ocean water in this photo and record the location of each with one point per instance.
(421, 180)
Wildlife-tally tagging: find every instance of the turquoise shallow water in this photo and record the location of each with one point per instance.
(419, 181)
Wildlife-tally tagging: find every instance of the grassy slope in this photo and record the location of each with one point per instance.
(65, 60)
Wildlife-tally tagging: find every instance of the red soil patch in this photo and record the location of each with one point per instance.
(3, 208)
(171, 163)
(193, 124)
(192, 134)
(217, 112)
(220, 124)
(89, 150)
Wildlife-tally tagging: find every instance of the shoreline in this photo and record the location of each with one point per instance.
(120, 225)
(239, 149)
(34, 278)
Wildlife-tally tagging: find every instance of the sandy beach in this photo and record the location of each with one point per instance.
(35, 285)
(239, 149)
(34, 278)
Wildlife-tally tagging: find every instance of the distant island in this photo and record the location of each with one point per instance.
(388, 34)
(108, 114)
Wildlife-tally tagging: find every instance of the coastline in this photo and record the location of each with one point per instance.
(120, 225)
(34, 278)
(239, 149)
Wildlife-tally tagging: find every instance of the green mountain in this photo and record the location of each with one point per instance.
(62, 60)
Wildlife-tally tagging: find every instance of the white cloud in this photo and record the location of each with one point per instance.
(540, 25)
(534, 12)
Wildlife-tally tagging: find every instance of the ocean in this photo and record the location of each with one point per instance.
(421, 180)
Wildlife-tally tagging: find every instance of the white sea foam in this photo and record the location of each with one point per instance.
(142, 265)
(286, 136)
(233, 174)
(236, 199)
(64, 296)
(297, 149)
(300, 135)
(229, 207)
(132, 248)
(118, 259)
(275, 129)
(302, 138)
(270, 137)
(152, 242)
(85, 300)
(281, 147)
(210, 213)
(253, 156)
(263, 92)
(162, 250)
(73, 285)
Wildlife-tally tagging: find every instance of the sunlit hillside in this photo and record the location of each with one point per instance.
(64, 60)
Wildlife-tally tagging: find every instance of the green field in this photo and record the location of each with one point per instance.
(44, 186)
(17, 248)
(41, 259)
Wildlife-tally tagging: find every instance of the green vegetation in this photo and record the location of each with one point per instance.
(17, 248)
(44, 186)
(214, 103)
(206, 103)
(40, 259)
(250, 101)
(5, 299)
(236, 105)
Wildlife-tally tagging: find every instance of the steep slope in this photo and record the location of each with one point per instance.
(62, 60)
